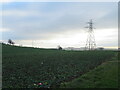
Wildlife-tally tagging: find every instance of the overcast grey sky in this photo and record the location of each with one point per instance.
(49, 24)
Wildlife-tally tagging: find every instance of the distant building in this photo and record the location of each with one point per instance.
(70, 48)
(75, 49)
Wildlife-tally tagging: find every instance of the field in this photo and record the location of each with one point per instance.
(104, 76)
(24, 67)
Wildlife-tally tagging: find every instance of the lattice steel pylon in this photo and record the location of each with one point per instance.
(90, 43)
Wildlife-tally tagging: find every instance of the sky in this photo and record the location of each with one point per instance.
(49, 24)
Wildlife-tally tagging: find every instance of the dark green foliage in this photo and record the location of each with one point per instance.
(27, 67)
(104, 76)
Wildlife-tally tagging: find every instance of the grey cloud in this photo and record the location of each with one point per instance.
(38, 22)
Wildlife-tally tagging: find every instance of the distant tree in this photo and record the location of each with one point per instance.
(10, 42)
(101, 48)
(59, 47)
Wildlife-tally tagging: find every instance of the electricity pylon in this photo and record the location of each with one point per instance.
(90, 43)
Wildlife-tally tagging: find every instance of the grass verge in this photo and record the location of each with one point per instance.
(104, 76)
